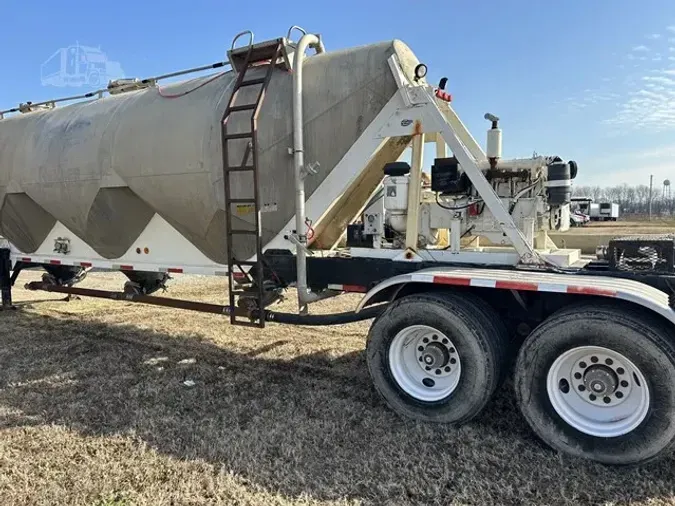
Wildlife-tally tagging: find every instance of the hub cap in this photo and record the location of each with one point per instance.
(424, 363)
(598, 391)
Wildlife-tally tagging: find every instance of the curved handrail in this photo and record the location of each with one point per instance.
(295, 27)
(250, 41)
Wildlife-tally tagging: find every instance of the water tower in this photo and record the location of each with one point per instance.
(666, 189)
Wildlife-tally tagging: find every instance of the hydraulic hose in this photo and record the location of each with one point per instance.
(269, 316)
(327, 319)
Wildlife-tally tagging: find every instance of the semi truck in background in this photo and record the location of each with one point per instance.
(258, 172)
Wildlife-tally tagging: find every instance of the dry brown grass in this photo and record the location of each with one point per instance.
(93, 411)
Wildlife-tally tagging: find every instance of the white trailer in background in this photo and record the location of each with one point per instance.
(594, 209)
(150, 186)
(609, 211)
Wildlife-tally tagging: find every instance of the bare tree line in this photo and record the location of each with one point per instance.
(632, 199)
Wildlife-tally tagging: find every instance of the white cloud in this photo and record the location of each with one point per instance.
(640, 48)
(671, 58)
(671, 28)
(630, 167)
(654, 36)
(657, 58)
(649, 105)
(671, 49)
(659, 80)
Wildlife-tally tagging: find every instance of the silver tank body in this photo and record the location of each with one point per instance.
(103, 168)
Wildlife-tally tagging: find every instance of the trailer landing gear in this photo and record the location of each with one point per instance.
(437, 356)
(6, 279)
(598, 382)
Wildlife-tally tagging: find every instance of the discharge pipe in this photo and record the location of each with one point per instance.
(304, 295)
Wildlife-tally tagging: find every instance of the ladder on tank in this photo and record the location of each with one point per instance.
(244, 273)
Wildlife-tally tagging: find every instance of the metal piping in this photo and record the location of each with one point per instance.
(304, 295)
(268, 316)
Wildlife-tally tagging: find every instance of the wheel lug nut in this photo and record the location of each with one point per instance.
(453, 361)
(581, 388)
(447, 369)
(435, 338)
(582, 365)
(607, 400)
(577, 375)
(438, 371)
(624, 383)
(445, 341)
(421, 348)
(592, 397)
(609, 361)
(619, 395)
(425, 340)
(594, 360)
(619, 370)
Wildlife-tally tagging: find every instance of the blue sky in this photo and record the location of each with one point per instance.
(592, 80)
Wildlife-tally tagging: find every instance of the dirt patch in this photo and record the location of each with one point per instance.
(112, 403)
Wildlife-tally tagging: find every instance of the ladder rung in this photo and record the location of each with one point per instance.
(244, 232)
(258, 52)
(240, 168)
(246, 263)
(242, 201)
(245, 107)
(242, 292)
(252, 82)
(245, 135)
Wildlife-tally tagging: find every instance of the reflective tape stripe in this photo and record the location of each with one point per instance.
(515, 285)
(486, 283)
(444, 280)
(348, 288)
(589, 290)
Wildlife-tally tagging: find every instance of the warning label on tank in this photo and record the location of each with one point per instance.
(241, 209)
(245, 209)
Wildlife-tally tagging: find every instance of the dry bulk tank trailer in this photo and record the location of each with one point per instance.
(148, 181)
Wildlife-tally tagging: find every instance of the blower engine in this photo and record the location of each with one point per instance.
(536, 191)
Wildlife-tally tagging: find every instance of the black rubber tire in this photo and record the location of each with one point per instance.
(477, 333)
(642, 338)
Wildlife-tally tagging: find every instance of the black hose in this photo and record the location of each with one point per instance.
(325, 319)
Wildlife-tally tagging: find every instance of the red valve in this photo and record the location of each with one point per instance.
(443, 95)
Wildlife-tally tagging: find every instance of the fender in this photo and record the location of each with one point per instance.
(623, 289)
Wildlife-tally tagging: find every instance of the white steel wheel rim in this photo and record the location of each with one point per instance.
(598, 391)
(424, 363)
